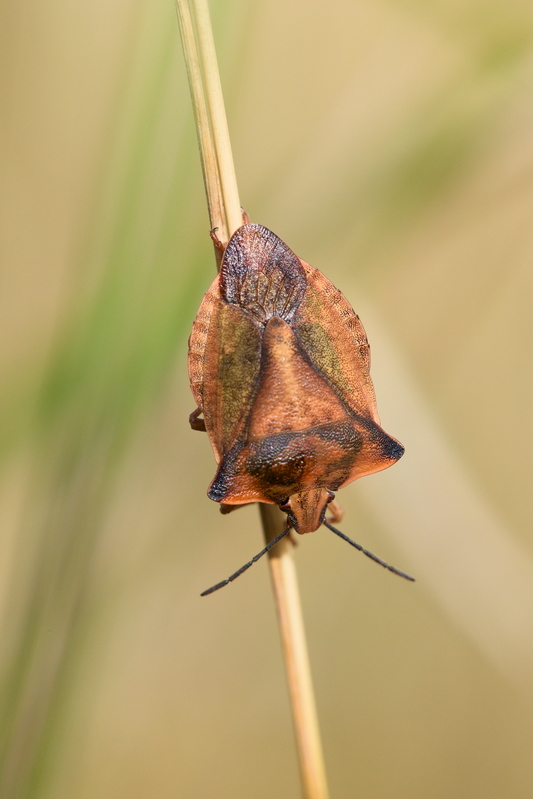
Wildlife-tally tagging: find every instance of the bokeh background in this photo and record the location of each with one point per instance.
(390, 144)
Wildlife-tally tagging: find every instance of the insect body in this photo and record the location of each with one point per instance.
(279, 366)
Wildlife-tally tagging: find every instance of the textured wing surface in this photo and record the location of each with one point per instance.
(333, 338)
(261, 275)
(231, 366)
(198, 339)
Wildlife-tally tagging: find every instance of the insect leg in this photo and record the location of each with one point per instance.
(195, 422)
(369, 554)
(216, 241)
(246, 565)
(337, 512)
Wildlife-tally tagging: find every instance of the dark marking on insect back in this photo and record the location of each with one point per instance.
(391, 448)
(221, 485)
(282, 463)
(261, 275)
(273, 463)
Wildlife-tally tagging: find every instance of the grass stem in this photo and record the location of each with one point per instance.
(223, 200)
(215, 203)
(288, 606)
(217, 112)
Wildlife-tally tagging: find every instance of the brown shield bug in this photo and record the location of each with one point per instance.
(279, 365)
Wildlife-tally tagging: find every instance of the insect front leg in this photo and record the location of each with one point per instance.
(195, 422)
(336, 511)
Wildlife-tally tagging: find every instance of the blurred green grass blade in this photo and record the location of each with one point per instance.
(115, 349)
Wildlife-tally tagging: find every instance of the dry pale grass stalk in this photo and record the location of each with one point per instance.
(225, 213)
(208, 158)
(287, 597)
(217, 112)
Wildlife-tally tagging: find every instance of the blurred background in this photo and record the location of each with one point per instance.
(390, 145)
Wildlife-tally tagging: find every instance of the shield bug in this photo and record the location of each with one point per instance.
(279, 365)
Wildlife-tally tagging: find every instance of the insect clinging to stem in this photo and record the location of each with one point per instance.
(279, 365)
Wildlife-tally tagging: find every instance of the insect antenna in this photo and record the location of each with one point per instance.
(246, 565)
(367, 553)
